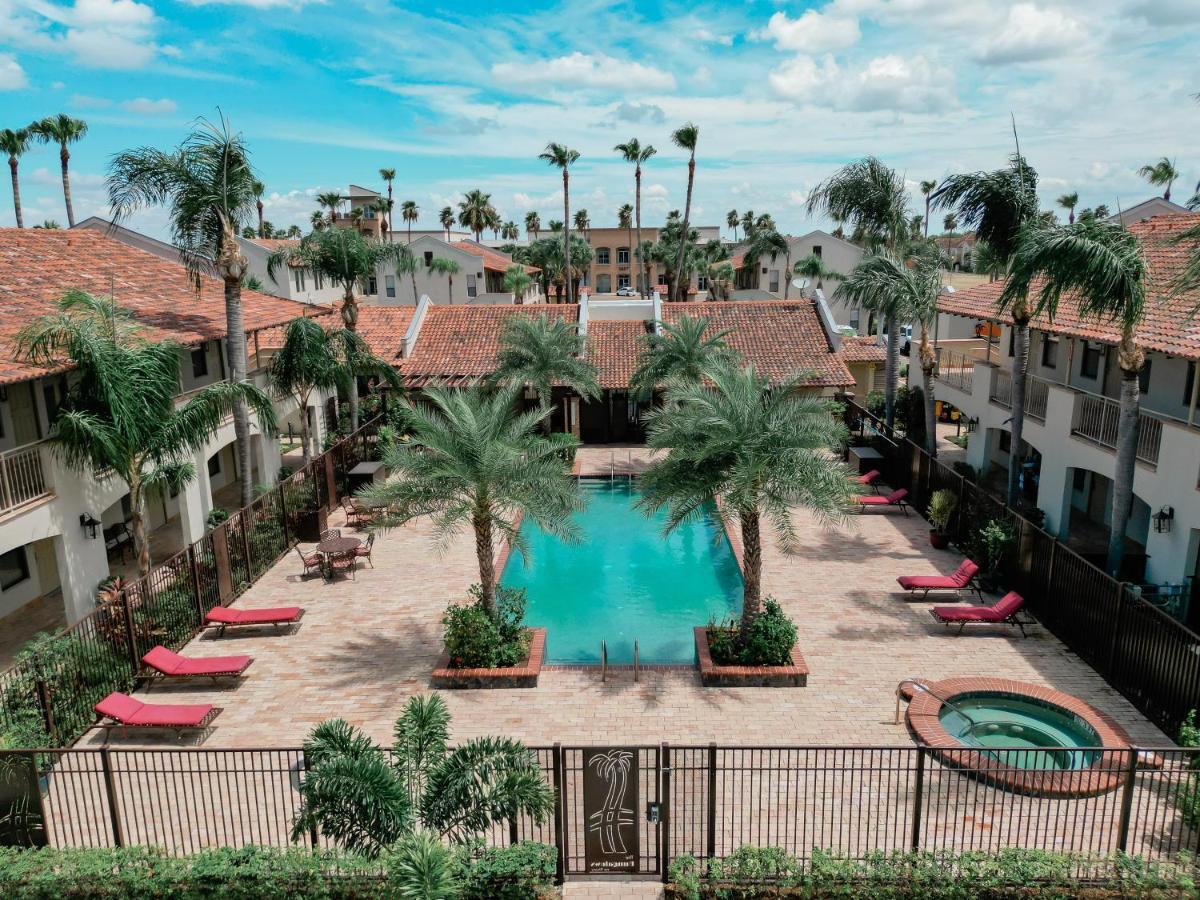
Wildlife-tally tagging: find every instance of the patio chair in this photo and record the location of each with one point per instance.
(222, 617)
(121, 711)
(355, 514)
(1002, 613)
(364, 551)
(330, 533)
(896, 498)
(170, 666)
(871, 479)
(344, 562)
(312, 562)
(963, 579)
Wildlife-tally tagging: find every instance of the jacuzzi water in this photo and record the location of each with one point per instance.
(1031, 732)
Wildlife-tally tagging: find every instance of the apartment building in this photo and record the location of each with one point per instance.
(615, 265)
(1071, 417)
(479, 280)
(360, 213)
(291, 282)
(62, 531)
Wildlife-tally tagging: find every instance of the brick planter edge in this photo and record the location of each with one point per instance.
(712, 675)
(522, 676)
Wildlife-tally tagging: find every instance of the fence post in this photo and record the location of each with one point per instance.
(199, 594)
(1050, 566)
(247, 511)
(43, 695)
(283, 515)
(712, 801)
(920, 798)
(1127, 800)
(1116, 631)
(560, 855)
(312, 828)
(110, 788)
(127, 608)
(664, 814)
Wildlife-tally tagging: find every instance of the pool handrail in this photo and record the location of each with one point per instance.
(919, 685)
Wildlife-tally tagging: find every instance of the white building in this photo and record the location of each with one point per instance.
(297, 283)
(480, 277)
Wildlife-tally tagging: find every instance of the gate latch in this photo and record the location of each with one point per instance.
(652, 813)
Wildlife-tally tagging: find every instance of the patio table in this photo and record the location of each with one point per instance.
(339, 546)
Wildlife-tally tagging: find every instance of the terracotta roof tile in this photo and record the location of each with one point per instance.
(38, 266)
(613, 348)
(863, 348)
(274, 243)
(1167, 326)
(492, 259)
(383, 328)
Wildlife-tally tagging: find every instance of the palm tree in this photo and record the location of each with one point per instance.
(445, 266)
(120, 414)
(471, 457)
(1102, 266)
(1161, 174)
(473, 211)
(332, 201)
(927, 188)
(317, 220)
(625, 220)
(446, 218)
(564, 157)
(259, 190)
(294, 233)
(348, 259)
(517, 282)
(409, 212)
(632, 151)
(682, 352)
(720, 277)
(770, 241)
(509, 231)
(380, 207)
(369, 802)
(813, 268)
(733, 221)
(389, 175)
(685, 138)
(914, 227)
(744, 448)
(538, 353)
(15, 143)
(62, 130)
(582, 222)
(747, 224)
(207, 186)
(949, 225)
(1069, 202)
(533, 224)
(997, 206)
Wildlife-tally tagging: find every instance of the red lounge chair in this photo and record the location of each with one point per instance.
(222, 617)
(963, 579)
(171, 666)
(122, 711)
(1003, 613)
(870, 479)
(895, 498)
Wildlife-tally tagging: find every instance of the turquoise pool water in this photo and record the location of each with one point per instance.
(625, 581)
(1028, 730)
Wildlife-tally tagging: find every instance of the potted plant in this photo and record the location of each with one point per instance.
(994, 539)
(941, 510)
(308, 517)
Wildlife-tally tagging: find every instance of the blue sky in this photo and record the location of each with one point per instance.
(465, 96)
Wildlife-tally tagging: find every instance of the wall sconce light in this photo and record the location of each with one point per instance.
(89, 524)
(1163, 519)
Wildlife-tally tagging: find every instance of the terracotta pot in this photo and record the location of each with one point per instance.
(938, 540)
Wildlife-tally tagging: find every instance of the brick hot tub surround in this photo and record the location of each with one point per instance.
(1107, 772)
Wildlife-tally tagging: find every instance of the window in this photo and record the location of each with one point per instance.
(1144, 377)
(1049, 352)
(372, 285)
(1079, 481)
(622, 282)
(602, 256)
(472, 290)
(14, 568)
(1089, 365)
(200, 361)
(702, 282)
(389, 285)
(854, 319)
(53, 395)
(214, 465)
(298, 278)
(1012, 342)
(622, 256)
(774, 288)
(1005, 442)
(817, 250)
(1187, 387)
(603, 283)
(428, 258)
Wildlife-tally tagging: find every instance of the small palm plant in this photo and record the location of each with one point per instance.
(367, 802)
(540, 354)
(443, 265)
(752, 449)
(682, 352)
(517, 282)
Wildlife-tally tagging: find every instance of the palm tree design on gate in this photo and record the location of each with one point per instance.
(613, 766)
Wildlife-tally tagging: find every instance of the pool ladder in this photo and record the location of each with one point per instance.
(604, 662)
(921, 686)
(612, 466)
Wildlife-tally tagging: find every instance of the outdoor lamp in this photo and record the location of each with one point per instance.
(88, 524)
(1163, 519)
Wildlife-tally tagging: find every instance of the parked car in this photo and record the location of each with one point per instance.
(905, 339)
(626, 292)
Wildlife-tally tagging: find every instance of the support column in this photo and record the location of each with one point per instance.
(82, 565)
(267, 458)
(195, 501)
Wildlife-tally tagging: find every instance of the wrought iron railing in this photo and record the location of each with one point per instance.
(22, 476)
(956, 369)
(1098, 418)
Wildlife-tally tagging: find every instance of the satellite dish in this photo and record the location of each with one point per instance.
(800, 283)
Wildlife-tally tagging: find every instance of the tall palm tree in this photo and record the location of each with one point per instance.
(746, 449)
(409, 212)
(443, 265)
(1102, 268)
(317, 220)
(927, 188)
(446, 218)
(533, 224)
(294, 233)
(949, 225)
(509, 231)
(747, 224)
(1161, 174)
(15, 143)
(538, 353)
(332, 201)
(348, 259)
(517, 282)
(686, 138)
(582, 222)
(61, 129)
(625, 220)
(564, 157)
(997, 206)
(473, 211)
(380, 207)
(733, 221)
(492, 216)
(770, 241)
(813, 268)
(633, 151)
(472, 458)
(1069, 202)
(259, 190)
(207, 187)
(120, 414)
(389, 175)
(681, 352)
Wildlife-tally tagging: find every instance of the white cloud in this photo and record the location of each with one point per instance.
(146, 107)
(111, 34)
(708, 36)
(583, 70)
(12, 76)
(813, 32)
(1031, 33)
(892, 82)
(86, 101)
(254, 4)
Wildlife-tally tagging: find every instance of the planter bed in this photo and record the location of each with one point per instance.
(713, 675)
(522, 676)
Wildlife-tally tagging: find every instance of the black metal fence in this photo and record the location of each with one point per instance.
(708, 800)
(1147, 655)
(50, 695)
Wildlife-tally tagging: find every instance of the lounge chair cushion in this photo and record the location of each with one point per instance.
(869, 477)
(170, 663)
(890, 500)
(960, 579)
(225, 615)
(128, 711)
(1000, 612)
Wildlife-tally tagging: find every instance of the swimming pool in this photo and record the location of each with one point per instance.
(625, 581)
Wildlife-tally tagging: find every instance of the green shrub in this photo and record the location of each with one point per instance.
(941, 508)
(1187, 793)
(768, 640)
(876, 403)
(475, 639)
(216, 516)
(518, 872)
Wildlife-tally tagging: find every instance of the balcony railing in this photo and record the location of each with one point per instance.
(22, 477)
(1096, 418)
(1001, 389)
(956, 369)
(1037, 393)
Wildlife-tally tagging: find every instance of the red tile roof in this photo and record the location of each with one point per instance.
(862, 348)
(383, 328)
(273, 244)
(614, 348)
(1167, 327)
(492, 259)
(38, 266)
